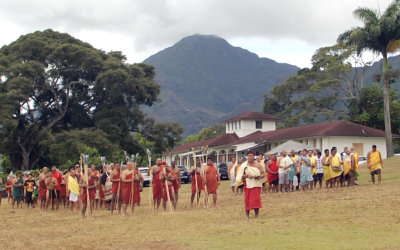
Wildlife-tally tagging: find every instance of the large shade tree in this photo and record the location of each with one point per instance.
(380, 34)
(52, 83)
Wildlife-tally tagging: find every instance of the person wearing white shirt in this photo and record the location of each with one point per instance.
(284, 164)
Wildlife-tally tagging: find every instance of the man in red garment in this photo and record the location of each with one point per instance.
(211, 180)
(115, 178)
(196, 178)
(253, 174)
(59, 178)
(157, 184)
(128, 177)
(167, 178)
(85, 185)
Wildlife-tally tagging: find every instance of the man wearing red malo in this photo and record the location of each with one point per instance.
(211, 180)
(157, 184)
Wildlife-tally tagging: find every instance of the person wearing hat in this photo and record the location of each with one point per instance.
(209, 173)
(252, 173)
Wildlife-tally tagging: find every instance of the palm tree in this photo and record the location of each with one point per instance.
(381, 35)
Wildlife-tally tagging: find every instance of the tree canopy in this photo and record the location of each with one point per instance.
(57, 92)
(323, 92)
(380, 34)
(207, 133)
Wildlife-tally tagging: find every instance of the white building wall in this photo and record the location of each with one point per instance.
(247, 127)
(341, 141)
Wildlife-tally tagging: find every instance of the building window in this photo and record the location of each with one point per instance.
(228, 127)
(235, 125)
(258, 124)
(240, 124)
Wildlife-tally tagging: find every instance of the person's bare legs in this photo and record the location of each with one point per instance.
(379, 178)
(72, 207)
(256, 211)
(215, 199)
(247, 214)
(83, 210)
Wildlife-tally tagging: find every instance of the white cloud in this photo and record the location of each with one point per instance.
(291, 29)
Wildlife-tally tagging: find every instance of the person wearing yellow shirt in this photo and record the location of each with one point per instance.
(327, 168)
(356, 159)
(311, 155)
(348, 168)
(335, 164)
(375, 164)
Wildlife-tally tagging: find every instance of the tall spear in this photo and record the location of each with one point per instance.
(195, 176)
(132, 197)
(85, 162)
(167, 189)
(204, 179)
(151, 206)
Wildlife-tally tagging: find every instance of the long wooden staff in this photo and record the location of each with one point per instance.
(88, 203)
(195, 176)
(119, 186)
(167, 189)
(205, 180)
(151, 205)
(80, 196)
(132, 197)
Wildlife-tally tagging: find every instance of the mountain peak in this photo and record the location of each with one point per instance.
(204, 78)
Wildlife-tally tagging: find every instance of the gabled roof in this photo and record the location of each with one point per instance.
(252, 115)
(335, 128)
(226, 139)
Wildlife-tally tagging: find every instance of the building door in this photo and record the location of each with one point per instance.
(359, 148)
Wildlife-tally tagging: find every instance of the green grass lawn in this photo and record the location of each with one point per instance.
(364, 217)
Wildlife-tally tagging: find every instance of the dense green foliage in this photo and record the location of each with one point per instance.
(205, 80)
(379, 34)
(207, 133)
(60, 97)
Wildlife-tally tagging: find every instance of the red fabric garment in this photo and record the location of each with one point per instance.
(102, 196)
(176, 185)
(273, 167)
(199, 183)
(252, 198)
(157, 184)
(165, 195)
(92, 192)
(42, 190)
(211, 179)
(63, 190)
(59, 178)
(116, 184)
(9, 189)
(126, 189)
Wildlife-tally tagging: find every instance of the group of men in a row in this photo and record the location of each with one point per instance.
(309, 168)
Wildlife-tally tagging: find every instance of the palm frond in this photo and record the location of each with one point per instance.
(344, 37)
(366, 15)
(393, 46)
(392, 9)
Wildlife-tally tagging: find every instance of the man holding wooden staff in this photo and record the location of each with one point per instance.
(91, 185)
(167, 178)
(196, 178)
(157, 184)
(115, 178)
(209, 173)
(128, 178)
